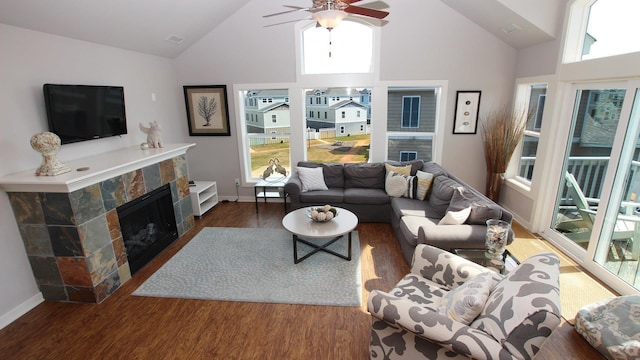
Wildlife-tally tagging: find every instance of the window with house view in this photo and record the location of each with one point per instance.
(341, 134)
(411, 123)
(537, 94)
(266, 130)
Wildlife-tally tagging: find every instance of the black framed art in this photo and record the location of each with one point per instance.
(466, 115)
(207, 110)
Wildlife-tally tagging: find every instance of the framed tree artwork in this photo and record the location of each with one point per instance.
(207, 110)
(466, 115)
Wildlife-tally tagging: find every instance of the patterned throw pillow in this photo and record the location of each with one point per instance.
(424, 184)
(311, 178)
(455, 217)
(464, 303)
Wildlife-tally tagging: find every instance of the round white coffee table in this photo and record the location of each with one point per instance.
(300, 225)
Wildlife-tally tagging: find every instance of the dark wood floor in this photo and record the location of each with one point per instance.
(132, 327)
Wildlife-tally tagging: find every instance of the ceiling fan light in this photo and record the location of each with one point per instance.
(329, 19)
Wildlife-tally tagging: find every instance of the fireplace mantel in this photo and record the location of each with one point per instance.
(100, 167)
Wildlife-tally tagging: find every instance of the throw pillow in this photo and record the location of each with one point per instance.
(464, 303)
(455, 217)
(395, 184)
(311, 178)
(424, 184)
(404, 170)
(398, 185)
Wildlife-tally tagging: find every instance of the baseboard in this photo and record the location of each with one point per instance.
(20, 310)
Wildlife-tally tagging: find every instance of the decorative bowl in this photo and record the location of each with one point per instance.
(322, 213)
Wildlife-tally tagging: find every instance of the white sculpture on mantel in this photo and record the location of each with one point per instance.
(48, 144)
(153, 134)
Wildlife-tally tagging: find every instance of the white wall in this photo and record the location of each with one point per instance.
(30, 59)
(423, 40)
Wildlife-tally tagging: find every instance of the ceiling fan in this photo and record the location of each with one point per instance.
(329, 13)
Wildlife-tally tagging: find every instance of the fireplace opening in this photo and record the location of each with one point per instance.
(148, 226)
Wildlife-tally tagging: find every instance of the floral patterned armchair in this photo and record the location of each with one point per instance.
(449, 307)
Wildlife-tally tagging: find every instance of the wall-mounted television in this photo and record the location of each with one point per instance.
(85, 112)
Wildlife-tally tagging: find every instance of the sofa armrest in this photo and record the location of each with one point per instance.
(293, 187)
(443, 267)
(433, 327)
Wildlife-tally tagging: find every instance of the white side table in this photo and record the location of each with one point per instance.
(204, 196)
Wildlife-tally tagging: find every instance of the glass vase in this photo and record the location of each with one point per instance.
(496, 238)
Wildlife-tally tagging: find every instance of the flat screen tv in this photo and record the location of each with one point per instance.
(84, 112)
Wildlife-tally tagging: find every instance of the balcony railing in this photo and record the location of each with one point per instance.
(589, 172)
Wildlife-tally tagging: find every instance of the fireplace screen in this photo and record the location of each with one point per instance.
(148, 226)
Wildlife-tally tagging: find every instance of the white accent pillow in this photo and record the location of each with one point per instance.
(311, 178)
(455, 217)
(464, 303)
(395, 184)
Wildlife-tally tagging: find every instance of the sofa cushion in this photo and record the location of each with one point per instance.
(409, 226)
(481, 208)
(441, 193)
(365, 196)
(331, 196)
(406, 206)
(333, 172)
(311, 178)
(364, 175)
(434, 168)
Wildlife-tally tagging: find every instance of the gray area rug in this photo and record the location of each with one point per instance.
(256, 265)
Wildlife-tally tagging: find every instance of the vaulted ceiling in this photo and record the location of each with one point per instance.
(146, 25)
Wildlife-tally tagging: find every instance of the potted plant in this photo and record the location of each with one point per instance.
(502, 130)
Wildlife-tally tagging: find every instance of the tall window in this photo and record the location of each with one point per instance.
(537, 95)
(411, 122)
(267, 138)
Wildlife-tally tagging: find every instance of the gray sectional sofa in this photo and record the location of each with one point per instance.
(361, 188)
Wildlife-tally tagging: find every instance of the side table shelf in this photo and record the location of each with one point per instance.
(204, 196)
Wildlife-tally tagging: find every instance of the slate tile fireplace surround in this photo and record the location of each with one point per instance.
(69, 223)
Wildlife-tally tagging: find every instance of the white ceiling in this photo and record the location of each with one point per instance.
(144, 25)
(139, 25)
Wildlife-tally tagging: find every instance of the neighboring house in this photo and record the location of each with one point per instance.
(267, 112)
(411, 119)
(343, 109)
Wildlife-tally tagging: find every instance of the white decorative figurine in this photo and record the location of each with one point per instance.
(153, 134)
(48, 144)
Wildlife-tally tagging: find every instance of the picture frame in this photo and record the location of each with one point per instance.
(207, 110)
(465, 120)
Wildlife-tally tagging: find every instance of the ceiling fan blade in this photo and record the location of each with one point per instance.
(295, 9)
(287, 22)
(350, 1)
(378, 14)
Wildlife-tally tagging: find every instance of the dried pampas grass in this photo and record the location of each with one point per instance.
(502, 131)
